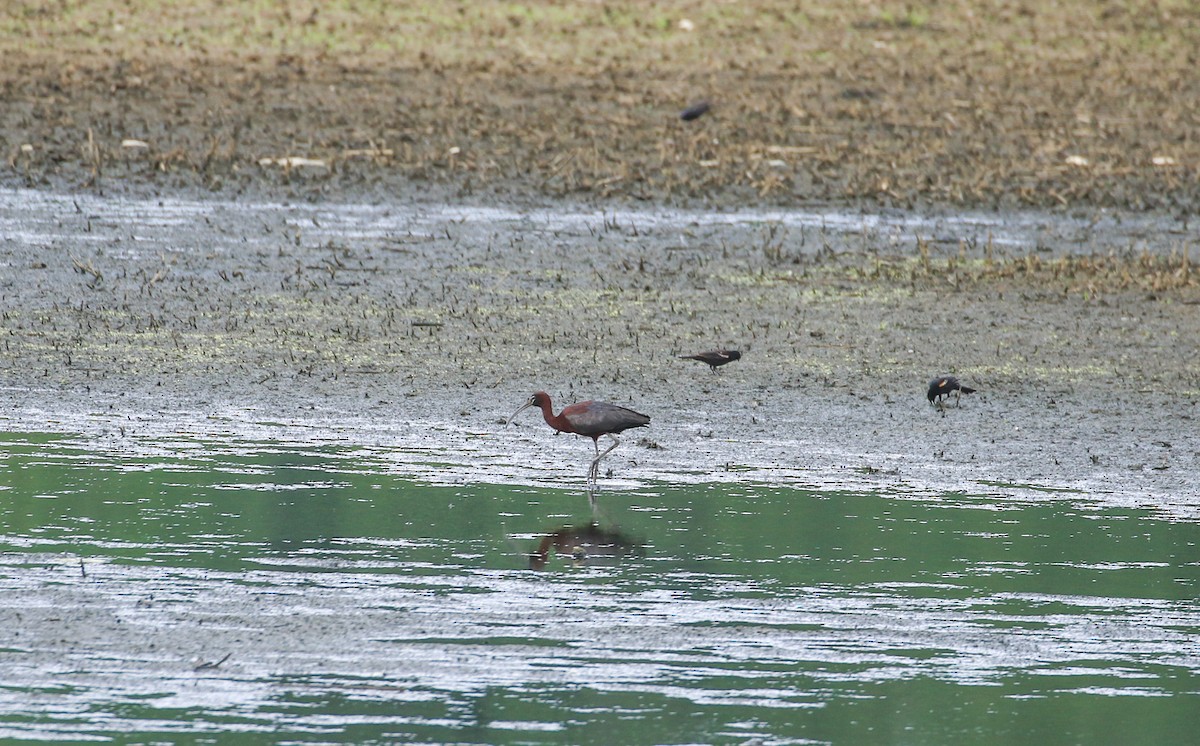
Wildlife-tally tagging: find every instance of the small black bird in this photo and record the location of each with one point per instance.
(940, 388)
(695, 111)
(715, 358)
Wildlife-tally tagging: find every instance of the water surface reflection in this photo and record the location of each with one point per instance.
(301, 594)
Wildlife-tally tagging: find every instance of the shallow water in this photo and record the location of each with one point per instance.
(261, 591)
(152, 225)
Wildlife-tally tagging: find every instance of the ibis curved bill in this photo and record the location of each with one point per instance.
(590, 419)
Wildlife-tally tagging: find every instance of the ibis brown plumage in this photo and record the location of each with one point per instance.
(590, 419)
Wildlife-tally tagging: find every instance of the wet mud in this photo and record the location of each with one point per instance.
(422, 326)
(210, 209)
(280, 235)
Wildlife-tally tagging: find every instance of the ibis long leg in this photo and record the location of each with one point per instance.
(594, 472)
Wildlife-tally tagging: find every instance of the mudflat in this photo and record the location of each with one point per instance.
(217, 173)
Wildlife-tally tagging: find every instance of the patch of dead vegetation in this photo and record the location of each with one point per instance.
(1087, 275)
(990, 103)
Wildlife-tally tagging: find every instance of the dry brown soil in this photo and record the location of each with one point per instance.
(989, 103)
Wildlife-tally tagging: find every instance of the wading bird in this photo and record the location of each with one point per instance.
(714, 358)
(940, 388)
(590, 418)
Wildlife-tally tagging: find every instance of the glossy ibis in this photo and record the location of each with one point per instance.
(589, 418)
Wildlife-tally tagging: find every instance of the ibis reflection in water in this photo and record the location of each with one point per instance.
(587, 544)
(588, 418)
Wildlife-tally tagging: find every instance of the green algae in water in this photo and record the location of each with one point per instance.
(292, 591)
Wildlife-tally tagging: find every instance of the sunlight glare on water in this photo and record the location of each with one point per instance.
(305, 593)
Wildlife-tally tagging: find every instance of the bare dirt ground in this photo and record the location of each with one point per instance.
(1085, 348)
(989, 104)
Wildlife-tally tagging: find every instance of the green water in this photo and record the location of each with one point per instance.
(261, 593)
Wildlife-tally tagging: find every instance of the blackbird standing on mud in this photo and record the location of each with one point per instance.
(714, 358)
(941, 387)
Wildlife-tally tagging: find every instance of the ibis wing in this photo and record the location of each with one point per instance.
(594, 418)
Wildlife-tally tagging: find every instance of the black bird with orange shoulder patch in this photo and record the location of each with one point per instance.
(941, 387)
(714, 358)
